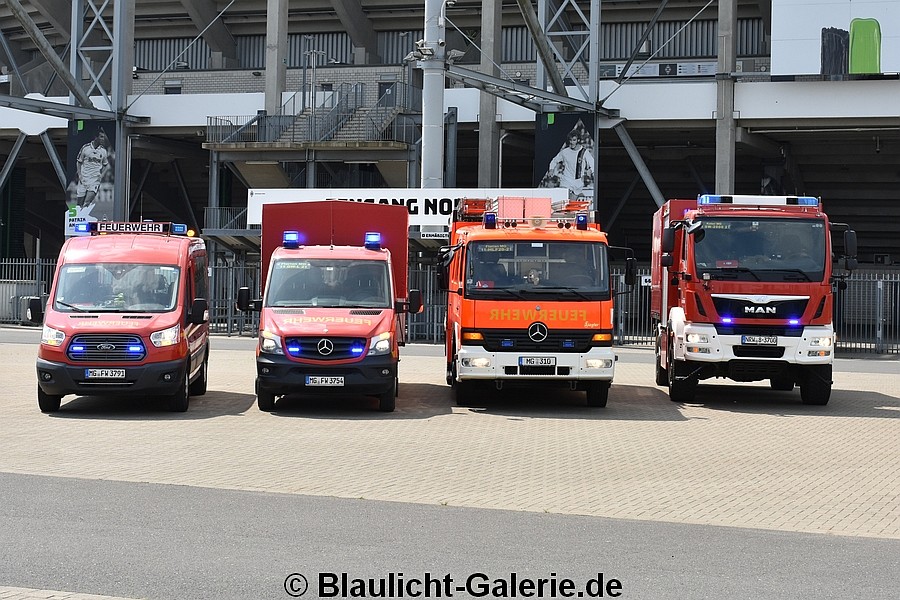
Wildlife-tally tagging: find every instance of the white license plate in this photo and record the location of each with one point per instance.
(324, 381)
(537, 361)
(760, 340)
(104, 373)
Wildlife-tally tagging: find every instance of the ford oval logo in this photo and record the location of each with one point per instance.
(106, 347)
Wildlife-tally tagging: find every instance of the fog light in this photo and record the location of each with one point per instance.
(265, 370)
(819, 353)
(46, 376)
(478, 362)
(698, 350)
(385, 371)
(598, 363)
(167, 377)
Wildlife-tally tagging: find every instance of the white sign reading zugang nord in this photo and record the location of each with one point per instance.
(432, 206)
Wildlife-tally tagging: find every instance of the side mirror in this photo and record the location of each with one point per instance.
(630, 271)
(414, 301)
(244, 302)
(35, 310)
(667, 260)
(443, 275)
(850, 243)
(695, 230)
(668, 240)
(199, 311)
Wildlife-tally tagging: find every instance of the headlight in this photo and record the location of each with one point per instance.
(480, 362)
(52, 337)
(380, 344)
(598, 363)
(166, 337)
(269, 343)
(697, 338)
(822, 342)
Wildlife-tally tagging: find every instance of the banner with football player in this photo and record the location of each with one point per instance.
(91, 173)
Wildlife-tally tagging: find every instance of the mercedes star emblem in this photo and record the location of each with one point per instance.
(537, 332)
(325, 347)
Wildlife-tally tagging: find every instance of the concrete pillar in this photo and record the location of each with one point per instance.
(433, 96)
(276, 57)
(488, 128)
(726, 132)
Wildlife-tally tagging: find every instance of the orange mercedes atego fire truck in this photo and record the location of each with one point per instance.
(127, 314)
(529, 297)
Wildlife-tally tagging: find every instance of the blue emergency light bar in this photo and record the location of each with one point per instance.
(706, 199)
(290, 239)
(373, 240)
(490, 220)
(581, 221)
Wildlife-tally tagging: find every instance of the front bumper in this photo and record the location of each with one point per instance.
(723, 348)
(507, 365)
(162, 378)
(280, 375)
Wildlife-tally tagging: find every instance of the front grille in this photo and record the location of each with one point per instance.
(342, 348)
(744, 370)
(517, 340)
(527, 370)
(759, 330)
(745, 309)
(101, 348)
(758, 351)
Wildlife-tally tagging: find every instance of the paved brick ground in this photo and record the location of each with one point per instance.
(742, 455)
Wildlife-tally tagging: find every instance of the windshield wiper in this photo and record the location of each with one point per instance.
(560, 288)
(488, 290)
(793, 274)
(72, 306)
(724, 272)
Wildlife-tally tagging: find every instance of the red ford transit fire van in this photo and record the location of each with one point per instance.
(127, 314)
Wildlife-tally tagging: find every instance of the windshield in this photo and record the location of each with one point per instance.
(116, 287)
(537, 269)
(761, 249)
(330, 283)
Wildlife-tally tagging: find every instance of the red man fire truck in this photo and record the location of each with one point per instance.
(741, 288)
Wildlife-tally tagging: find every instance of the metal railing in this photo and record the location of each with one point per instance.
(20, 280)
(866, 313)
(225, 217)
(320, 122)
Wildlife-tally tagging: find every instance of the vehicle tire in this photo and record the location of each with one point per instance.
(464, 391)
(782, 383)
(265, 400)
(387, 401)
(662, 376)
(680, 389)
(179, 401)
(815, 385)
(597, 393)
(198, 386)
(48, 403)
